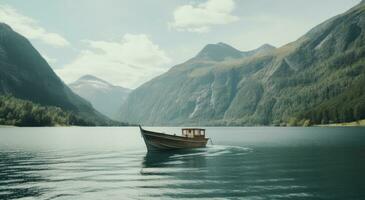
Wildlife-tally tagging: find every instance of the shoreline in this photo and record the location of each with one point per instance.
(360, 123)
(7, 126)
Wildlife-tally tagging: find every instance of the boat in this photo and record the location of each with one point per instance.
(190, 138)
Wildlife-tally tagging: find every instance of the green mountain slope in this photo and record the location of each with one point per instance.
(17, 112)
(26, 75)
(317, 79)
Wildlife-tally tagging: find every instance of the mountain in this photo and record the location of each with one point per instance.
(24, 74)
(222, 51)
(316, 79)
(105, 97)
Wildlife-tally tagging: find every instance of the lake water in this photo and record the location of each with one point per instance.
(242, 163)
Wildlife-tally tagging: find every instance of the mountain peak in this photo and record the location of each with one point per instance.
(218, 46)
(93, 79)
(218, 52)
(5, 26)
(224, 45)
(264, 48)
(89, 77)
(267, 46)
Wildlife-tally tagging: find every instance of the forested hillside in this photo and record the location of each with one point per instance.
(19, 112)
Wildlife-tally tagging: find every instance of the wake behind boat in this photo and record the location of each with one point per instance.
(191, 138)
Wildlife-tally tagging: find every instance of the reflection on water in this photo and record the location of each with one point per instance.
(191, 173)
(164, 159)
(112, 168)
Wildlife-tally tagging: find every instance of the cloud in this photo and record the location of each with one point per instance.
(30, 27)
(127, 62)
(200, 17)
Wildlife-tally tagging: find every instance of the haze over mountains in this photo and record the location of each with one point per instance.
(24, 74)
(105, 97)
(317, 79)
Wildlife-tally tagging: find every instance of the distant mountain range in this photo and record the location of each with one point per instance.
(105, 97)
(316, 79)
(24, 74)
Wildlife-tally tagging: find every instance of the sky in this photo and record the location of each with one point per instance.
(128, 42)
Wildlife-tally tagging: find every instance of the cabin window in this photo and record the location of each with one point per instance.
(185, 133)
(191, 133)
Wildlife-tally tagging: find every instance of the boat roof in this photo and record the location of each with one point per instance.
(202, 129)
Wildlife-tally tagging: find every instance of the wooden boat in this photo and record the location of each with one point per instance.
(191, 138)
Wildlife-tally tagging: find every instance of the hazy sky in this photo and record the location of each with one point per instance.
(127, 42)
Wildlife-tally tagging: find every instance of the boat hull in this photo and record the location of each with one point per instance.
(160, 141)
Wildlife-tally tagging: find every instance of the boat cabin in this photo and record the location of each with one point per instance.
(193, 132)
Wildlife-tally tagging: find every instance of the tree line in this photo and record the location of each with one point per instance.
(17, 112)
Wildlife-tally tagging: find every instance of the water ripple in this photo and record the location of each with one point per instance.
(215, 172)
